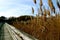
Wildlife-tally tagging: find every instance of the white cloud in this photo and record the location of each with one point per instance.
(14, 8)
(17, 11)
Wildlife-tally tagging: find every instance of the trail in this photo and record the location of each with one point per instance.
(8, 32)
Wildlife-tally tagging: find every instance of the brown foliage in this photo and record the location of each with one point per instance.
(42, 28)
(49, 30)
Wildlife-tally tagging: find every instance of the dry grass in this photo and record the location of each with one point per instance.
(43, 30)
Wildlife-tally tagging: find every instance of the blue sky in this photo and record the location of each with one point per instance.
(20, 7)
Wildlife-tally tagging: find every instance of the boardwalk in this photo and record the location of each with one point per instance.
(8, 32)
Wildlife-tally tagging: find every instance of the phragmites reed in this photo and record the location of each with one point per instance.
(48, 12)
(32, 10)
(34, 1)
(38, 11)
(44, 14)
(58, 4)
(41, 11)
(44, 11)
(41, 7)
(41, 3)
(51, 5)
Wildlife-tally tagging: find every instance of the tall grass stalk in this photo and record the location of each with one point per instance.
(51, 5)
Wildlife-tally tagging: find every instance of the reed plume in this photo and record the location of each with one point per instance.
(41, 7)
(41, 3)
(58, 4)
(48, 12)
(32, 10)
(34, 1)
(51, 5)
(44, 11)
(41, 11)
(38, 11)
(44, 14)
